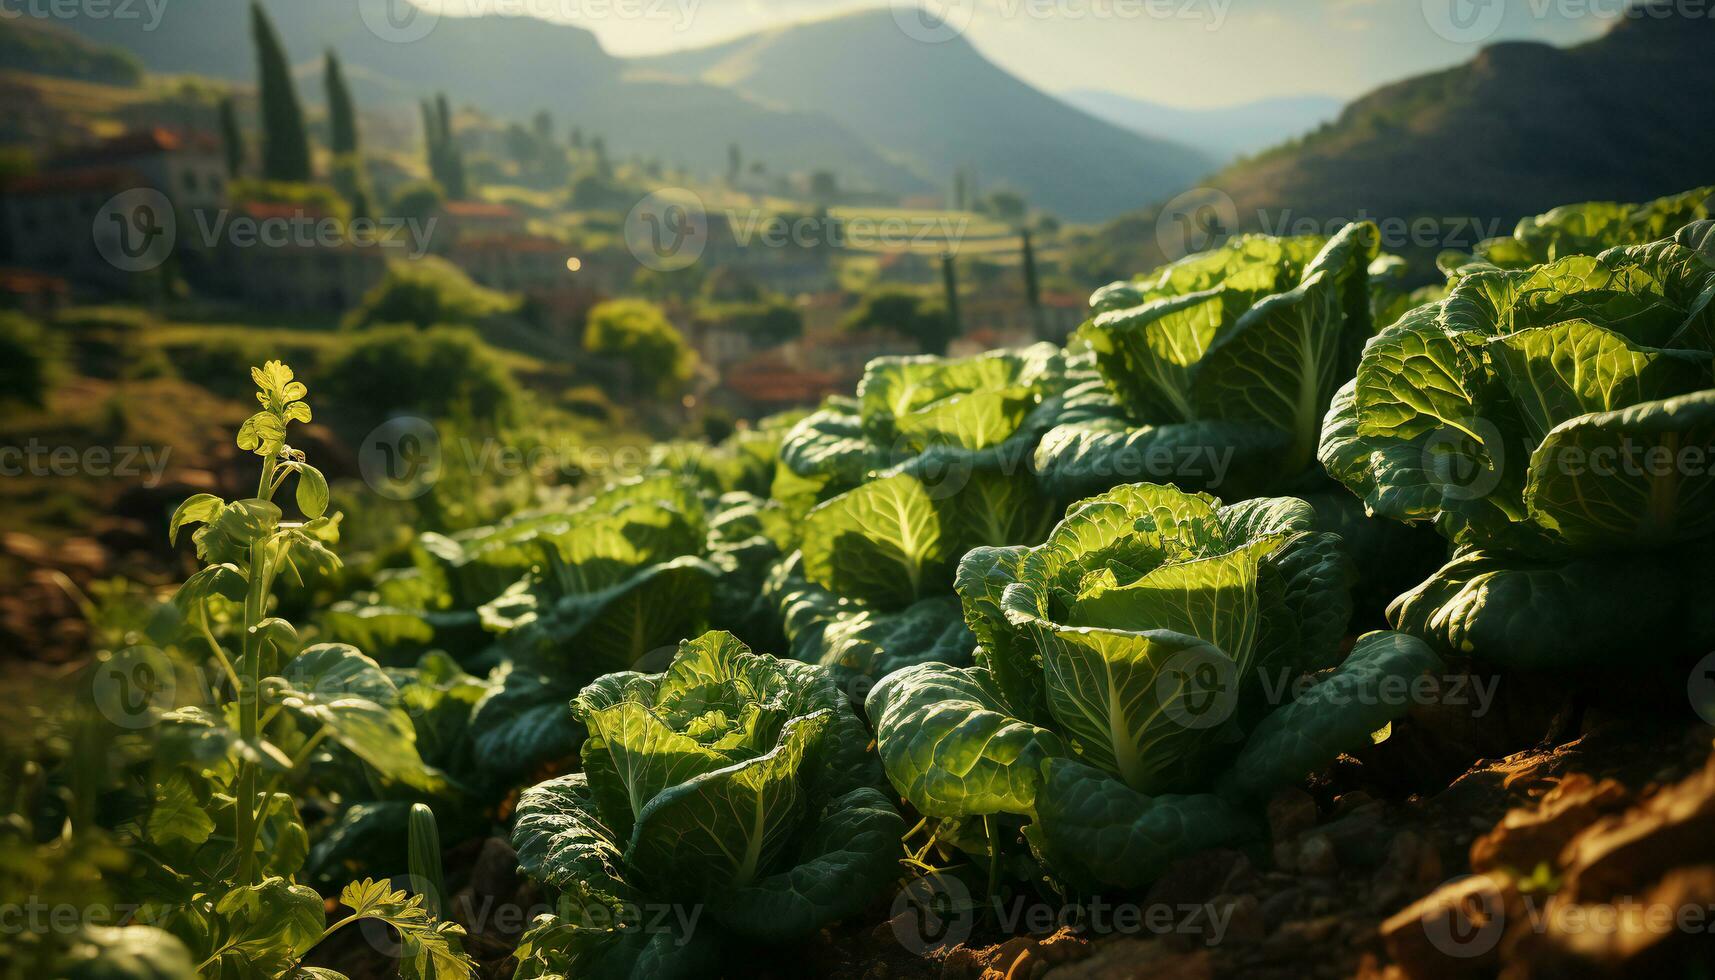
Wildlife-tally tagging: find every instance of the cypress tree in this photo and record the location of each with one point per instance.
(1032, 295)
(231, 137)
(950, 283)
(285, 146)
(452, 163)
(431, 141)
(342, 117)
(598, 147)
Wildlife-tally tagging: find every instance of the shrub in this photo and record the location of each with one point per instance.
(29, 357)
(639, 334)
(429, 291)
(437, 373)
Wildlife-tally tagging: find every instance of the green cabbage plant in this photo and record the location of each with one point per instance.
(620, 576)
(1590, 228)
(1556, 424)
(982, 412)
(729, 801)
(1215, 372)
(1123, 697)
(932, 459)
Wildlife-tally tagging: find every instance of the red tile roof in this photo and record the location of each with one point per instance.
(266, 210)
(137, 143)
(20, 282)
(103, 179)
(512, 243)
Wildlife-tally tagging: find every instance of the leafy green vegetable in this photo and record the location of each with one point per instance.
(731, 782)
(1590, 228)
(1124, 664)
(1539, 417)
(1216, 371)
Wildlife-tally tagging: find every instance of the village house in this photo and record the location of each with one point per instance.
(459, 220)
(51, 219)
(294, 272)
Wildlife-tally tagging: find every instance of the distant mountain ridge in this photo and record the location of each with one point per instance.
(937, 107)
(1221, 133)
(851, 94)
(508, 66)
(1519, 129)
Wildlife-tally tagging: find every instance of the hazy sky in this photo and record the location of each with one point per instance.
(1181, 52)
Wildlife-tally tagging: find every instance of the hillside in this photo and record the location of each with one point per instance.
(1222, 133)
(46, 49)
(1519, 129)
(938, 107)
(511, 67)
(797, 99)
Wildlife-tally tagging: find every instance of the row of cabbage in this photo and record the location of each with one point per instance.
(1035, 570)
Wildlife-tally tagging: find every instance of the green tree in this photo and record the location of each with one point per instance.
(285, 145)
(428, 292)
(521, 145)
(453, 158)
(29, 356)
(603, 166)
(437, 373)
(342, 117)
(542, 124)
(638, 333)
(823, 187)
(950, 296)
(349, 174)
(906, 313)
(231, 137)
(1008, 207)
(1032, 291)
(418, 200)
(734, 163)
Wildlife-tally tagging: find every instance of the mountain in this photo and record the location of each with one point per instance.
(508, 66)
(853, 95)
(938, 107)
(1521, 128)
(43, 48)
(1221, 133)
